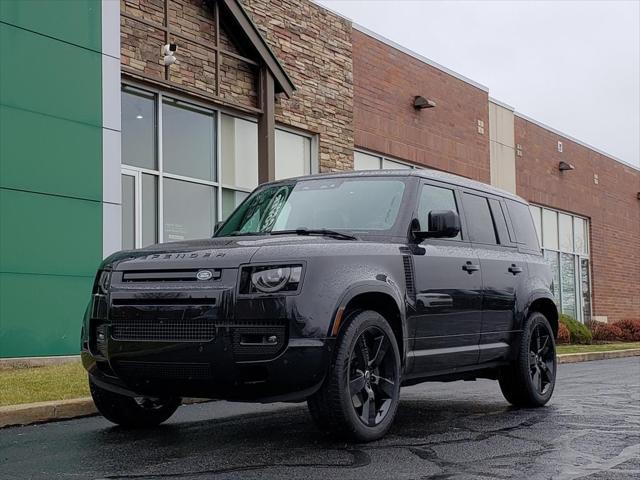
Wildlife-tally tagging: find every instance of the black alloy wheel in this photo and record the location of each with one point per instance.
(372, 376)
(361, 392)
(530, 379)
(541, 359)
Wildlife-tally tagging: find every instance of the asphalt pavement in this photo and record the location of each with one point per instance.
(589, 430)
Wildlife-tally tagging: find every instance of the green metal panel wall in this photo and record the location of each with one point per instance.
(50, 172)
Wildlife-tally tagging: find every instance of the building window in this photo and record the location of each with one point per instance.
(564, 239)
(369, 161)
(186, 166)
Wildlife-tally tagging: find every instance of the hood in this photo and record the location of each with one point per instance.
(225, 252)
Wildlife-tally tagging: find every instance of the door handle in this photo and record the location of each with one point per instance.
(515, 269)
(470, 267)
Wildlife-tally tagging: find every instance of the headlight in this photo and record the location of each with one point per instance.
(102, 282)
(271, 279)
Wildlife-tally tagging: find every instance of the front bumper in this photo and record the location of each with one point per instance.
(294, 375)
(203, 343)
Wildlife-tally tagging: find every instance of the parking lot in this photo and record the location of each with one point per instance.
(591, 429)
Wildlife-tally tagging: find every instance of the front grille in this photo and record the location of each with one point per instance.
(192, 330)
(162, 370)
(168, 275)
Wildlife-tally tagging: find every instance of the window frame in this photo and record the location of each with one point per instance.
(464, 236)
(159, 95)
(522, 247)
(485, 197)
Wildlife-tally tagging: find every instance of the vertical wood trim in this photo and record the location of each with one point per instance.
(166, 34)
(217, 54)
(266, 127)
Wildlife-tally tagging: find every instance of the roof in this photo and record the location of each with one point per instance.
(425, 173)
(253, 39)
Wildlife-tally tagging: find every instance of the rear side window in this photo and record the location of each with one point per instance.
(499, 222)
(435, 198)
(523, 224)
(479, 220)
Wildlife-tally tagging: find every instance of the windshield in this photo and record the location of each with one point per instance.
(353, 204)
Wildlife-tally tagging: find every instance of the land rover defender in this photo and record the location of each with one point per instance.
(333, 289)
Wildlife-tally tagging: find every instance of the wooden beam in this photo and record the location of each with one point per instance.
(266, 127)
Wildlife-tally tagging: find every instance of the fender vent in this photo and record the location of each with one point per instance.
(408, 276)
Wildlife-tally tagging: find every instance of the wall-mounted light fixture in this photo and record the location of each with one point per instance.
(420, 103)
(563, 166)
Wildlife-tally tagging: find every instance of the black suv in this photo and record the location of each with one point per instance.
(335, 289)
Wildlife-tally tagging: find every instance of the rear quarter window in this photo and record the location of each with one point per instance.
(523, 225)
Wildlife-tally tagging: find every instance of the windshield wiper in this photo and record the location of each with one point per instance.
(316, 231)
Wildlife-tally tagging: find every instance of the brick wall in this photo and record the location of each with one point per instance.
(611, 205)
(314, 45)
(386, 81)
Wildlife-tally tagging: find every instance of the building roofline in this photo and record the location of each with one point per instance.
(448, 71)
(405, 50)
(417, 56)
(575, 140)
(501, 104)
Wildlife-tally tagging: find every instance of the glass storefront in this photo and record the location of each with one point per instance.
(184, 166)
(564, 240)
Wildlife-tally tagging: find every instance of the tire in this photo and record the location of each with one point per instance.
(132, 412)
(530, 380)
(360, 395)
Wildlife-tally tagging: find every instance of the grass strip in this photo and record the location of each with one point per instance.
(596, 347)
(39, 384)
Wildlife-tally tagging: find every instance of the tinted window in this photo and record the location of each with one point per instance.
(479, 219)
(499, 221)
(523, 224)
(435, 198)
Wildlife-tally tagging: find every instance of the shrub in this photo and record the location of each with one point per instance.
(605, 332)
(630, 329)
(578, 332)
(563, 335)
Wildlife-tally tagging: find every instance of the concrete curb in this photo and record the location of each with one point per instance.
(29, 413)
(40, 412)
(591, 356)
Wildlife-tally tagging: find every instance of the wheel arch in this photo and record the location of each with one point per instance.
(546, 306)
(379, 298)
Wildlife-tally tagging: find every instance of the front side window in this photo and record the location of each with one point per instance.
(435, 198)
(479, 220)
(355, 205)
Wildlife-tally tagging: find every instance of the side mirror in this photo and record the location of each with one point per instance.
(442, 224)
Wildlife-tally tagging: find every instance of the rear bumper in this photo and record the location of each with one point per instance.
(210, 371)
